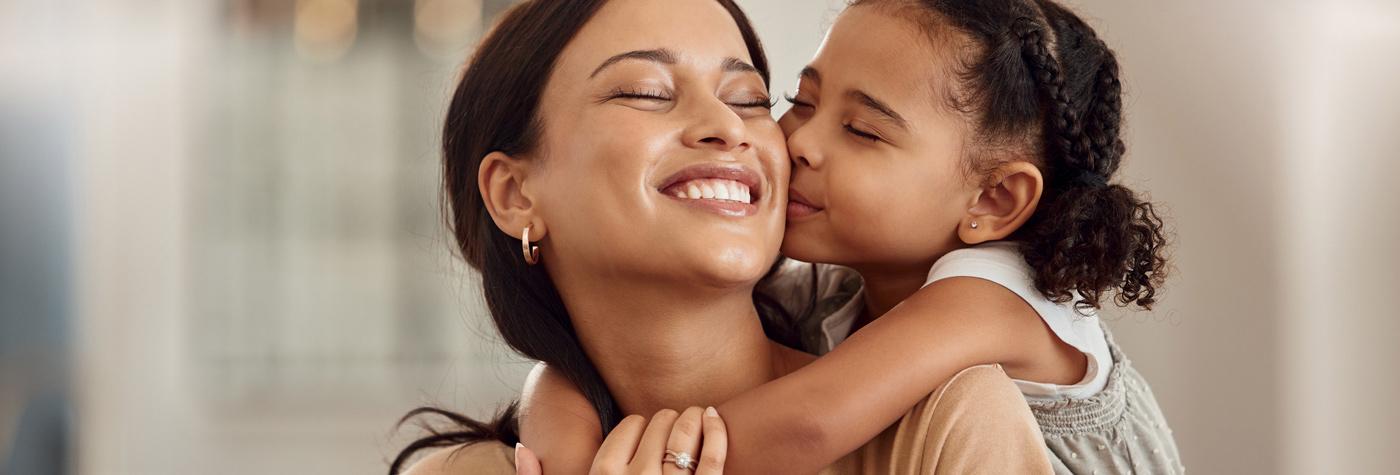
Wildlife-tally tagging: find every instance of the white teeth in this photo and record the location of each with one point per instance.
(724, 190)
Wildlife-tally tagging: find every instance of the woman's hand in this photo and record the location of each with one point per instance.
(664, 444)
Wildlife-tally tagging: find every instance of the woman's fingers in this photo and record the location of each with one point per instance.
(526, 463)
(653, 445)
(716, 444)
(617, 450)
(684, 442)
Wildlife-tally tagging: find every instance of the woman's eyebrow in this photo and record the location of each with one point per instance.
(661, 55)
(736, 65)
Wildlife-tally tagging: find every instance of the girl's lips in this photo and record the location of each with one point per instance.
(799, 206)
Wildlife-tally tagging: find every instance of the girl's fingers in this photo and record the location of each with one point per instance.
(647, 458)
(616, 451)
(526, 463)
(684, 439)
(716, 444)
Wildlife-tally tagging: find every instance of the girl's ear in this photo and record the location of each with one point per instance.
(501, 179)
(999, 210)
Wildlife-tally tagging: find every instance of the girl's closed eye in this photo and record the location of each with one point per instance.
(797, 103)
(860, 134)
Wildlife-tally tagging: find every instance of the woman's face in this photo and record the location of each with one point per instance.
(877, 178)
(659, 158)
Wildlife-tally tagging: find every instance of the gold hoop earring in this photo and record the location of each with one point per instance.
(532, 253)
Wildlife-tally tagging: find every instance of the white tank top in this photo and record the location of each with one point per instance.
(839, 298)
(1002, 263)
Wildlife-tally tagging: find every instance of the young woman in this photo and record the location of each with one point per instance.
(613, 171)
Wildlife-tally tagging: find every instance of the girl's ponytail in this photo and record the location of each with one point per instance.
(1089, 236)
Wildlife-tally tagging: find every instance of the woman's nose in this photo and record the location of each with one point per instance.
(717, 127)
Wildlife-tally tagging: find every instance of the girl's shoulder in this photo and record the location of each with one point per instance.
(1000, 262)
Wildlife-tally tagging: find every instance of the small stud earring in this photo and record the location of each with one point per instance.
(975, 225)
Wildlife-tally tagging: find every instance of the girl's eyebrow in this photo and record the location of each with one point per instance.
(879, 108)
(870, 102)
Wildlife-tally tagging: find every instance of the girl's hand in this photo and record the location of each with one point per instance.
(639, 447)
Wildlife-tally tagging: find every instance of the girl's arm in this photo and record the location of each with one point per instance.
(804, 421)
(807, 420)
(558, 423)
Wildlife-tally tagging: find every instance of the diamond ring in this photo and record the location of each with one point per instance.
(682, 460)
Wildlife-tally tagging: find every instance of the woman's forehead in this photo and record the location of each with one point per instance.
(698, 33)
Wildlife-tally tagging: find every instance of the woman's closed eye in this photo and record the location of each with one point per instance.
(750, 105)
(658, 96)
(654, 95)
(758, 103)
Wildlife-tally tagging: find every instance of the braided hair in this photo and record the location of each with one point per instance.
(1037, 79)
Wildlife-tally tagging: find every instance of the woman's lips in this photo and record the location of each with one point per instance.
(729, 190)
(799, 206)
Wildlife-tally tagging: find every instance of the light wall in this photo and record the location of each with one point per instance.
(1266, 128)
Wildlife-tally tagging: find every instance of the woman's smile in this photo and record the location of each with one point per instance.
(728, 190)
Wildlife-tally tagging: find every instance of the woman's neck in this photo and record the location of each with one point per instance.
(672, 348)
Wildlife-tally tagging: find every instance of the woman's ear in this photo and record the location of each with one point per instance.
(501, 179)
(999, 210)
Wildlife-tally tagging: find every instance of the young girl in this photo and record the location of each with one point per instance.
(958, 156)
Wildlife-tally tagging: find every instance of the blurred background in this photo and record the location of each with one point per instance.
(220, 248)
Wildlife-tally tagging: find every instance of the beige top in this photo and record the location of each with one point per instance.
(976, 423)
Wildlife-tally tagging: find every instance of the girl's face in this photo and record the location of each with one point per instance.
(877, 174)
(660, 160)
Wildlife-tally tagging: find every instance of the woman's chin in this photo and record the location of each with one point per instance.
(733, 267)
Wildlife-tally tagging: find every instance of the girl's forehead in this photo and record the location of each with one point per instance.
(871, 50)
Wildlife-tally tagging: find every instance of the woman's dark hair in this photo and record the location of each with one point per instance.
(1038, 82)
(496, 108)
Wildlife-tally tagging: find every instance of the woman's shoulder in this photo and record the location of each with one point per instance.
(487, 458)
